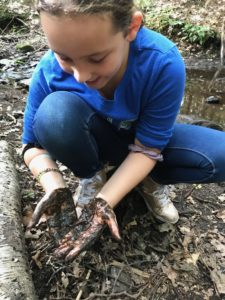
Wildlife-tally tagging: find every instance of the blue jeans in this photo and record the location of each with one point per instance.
(74, 134)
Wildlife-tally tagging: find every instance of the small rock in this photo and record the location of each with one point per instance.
(24, 47)
(212, 100)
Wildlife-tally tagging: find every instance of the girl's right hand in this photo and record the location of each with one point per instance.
(60, 210)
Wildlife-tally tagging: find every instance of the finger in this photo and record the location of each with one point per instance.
(85, 240)
(67, 238)
(113, 226)
(39, 210)
(62, 250)
(73, 253)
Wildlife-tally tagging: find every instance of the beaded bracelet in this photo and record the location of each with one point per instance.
(38, 177)
(151, 154)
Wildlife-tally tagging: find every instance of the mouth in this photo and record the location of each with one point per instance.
(92, 82)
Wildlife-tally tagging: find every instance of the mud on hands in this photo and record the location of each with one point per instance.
(60, 211)
(71, 234)
(96, 215)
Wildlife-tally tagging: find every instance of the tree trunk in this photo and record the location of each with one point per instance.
(15, 278)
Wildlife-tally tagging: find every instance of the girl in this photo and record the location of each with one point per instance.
(108, 92)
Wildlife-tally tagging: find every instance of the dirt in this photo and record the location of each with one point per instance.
(153, 260)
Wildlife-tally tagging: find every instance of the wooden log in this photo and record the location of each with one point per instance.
(15, 278)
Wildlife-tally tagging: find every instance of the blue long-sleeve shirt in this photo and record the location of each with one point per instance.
(148, 97)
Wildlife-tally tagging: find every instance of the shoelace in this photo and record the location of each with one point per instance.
(162, 194)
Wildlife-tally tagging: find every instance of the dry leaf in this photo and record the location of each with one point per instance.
(218, 246)
(190, 199)
(33, 234)
(219, 279)
(171, 274)
(36, 259)
(222, 197)
(65, 280)
(193, 258)
(221, 215)
(27, 215)
(184, 229)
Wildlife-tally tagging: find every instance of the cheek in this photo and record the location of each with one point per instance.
(112, 66)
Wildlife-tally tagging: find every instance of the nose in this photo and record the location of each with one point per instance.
(81, 74)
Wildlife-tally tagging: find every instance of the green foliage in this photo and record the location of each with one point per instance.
(198, 34)
(163, 21)
(144, 4)
(10, 19)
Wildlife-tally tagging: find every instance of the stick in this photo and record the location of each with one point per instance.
(81, 291)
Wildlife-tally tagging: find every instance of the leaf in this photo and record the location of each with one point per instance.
(218, 246)
(193, 258)
(221, 215)
(219, 279)
(37, 260)
(222, 197)
(171, 274)
(65, 280)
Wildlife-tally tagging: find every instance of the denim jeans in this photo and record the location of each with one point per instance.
(74, 134)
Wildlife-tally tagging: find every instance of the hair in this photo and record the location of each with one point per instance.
(121, 11)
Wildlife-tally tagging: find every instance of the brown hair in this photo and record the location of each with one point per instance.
(121, 11)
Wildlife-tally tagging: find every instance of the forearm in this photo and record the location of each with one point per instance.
(130, 173)
(37, 162)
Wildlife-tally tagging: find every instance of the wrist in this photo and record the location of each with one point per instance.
(51, 179)
(110, 202)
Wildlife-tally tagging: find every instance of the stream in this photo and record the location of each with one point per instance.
(200, 89)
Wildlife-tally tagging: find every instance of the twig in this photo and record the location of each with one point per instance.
(117, 277)
(189, 192)
(53, 275)
(134, 270)
(205, 201)
(109, 275)
(115, 295)
(81, 290)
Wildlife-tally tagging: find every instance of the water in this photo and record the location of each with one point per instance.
(196, 93)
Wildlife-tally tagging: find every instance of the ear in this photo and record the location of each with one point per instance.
(135, 25)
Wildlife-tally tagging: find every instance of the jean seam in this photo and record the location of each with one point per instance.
(201, 154)
(88, 124)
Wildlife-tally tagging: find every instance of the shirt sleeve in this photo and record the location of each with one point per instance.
(38, 90)
(162, 102)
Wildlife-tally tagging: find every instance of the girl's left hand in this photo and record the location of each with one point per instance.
(94, 218)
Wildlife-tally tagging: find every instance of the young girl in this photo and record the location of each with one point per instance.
(108, 92)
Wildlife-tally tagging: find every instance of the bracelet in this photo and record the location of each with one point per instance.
(149, 153)
(38, 177)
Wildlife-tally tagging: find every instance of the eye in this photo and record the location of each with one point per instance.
(64, 58)
(97, 60)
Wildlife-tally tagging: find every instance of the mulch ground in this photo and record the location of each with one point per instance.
(153, 261)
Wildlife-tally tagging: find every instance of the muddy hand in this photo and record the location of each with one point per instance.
(94, 218)
(60, 210)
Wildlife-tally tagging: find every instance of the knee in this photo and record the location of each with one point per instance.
(58, 116)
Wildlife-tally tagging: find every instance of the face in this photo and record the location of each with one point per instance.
(88, 47)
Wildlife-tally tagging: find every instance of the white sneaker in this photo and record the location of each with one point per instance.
(87, 189)
(157, 200)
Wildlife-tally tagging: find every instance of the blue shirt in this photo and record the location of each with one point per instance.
(148, 96)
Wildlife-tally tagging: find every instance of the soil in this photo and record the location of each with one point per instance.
(154, 260)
